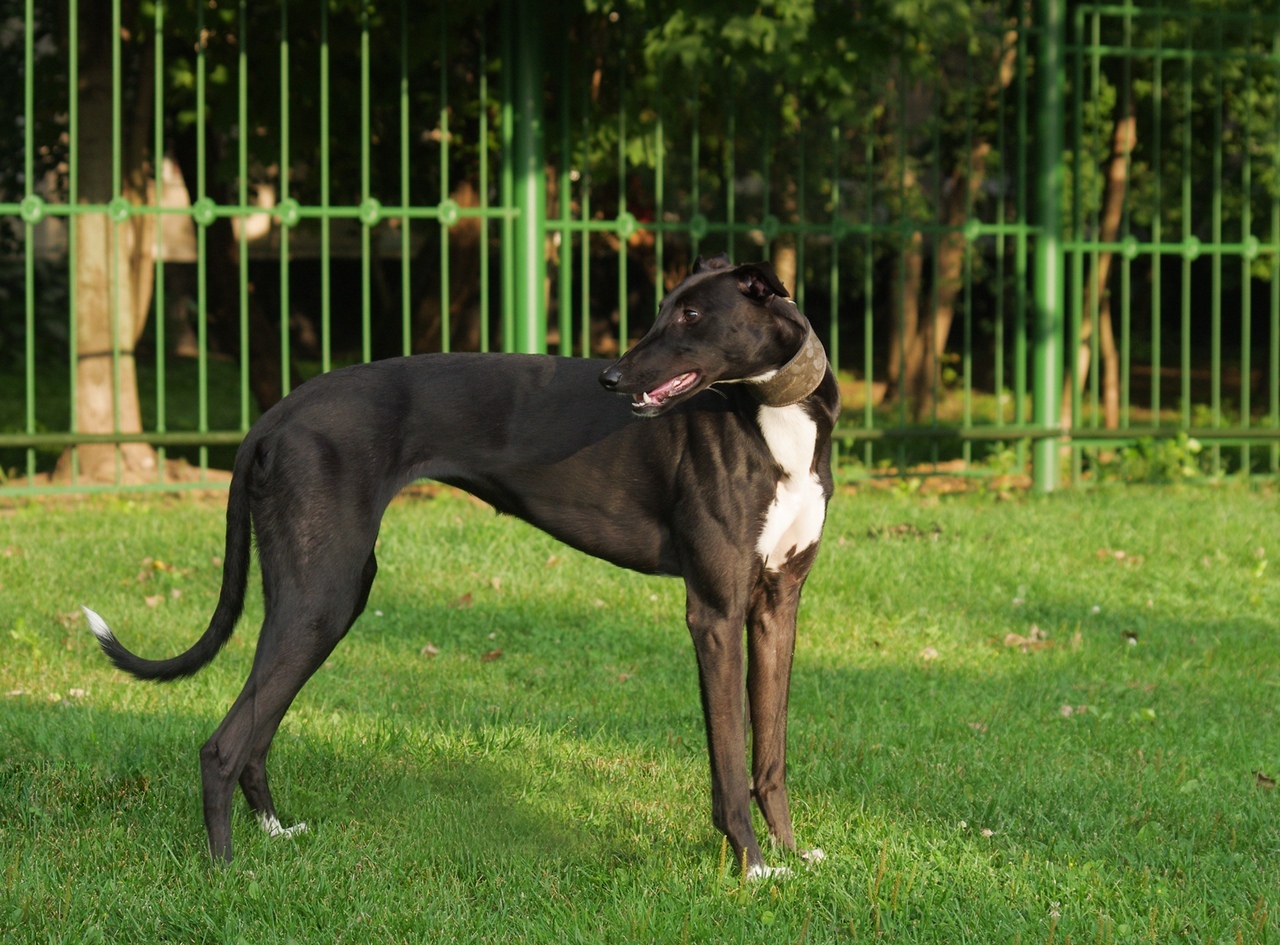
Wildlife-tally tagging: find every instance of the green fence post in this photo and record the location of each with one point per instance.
(530, 184)
(1047, 327)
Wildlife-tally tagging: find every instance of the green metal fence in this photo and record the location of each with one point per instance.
(1192, 243)
(989, 216)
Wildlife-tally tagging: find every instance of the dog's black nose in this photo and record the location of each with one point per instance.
(611, 378)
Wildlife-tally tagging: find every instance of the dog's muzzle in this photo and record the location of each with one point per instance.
(652, 401)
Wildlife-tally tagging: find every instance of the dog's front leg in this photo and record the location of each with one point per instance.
(717, 640)
(771, 636)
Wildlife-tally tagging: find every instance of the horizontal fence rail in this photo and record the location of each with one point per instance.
(1037, 236)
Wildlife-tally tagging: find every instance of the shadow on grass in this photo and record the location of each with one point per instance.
(71, 772)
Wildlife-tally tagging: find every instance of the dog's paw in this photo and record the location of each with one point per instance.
(813, 857)
(273, 828)
(760, 871)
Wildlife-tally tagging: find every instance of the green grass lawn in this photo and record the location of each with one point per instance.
(1110, 778)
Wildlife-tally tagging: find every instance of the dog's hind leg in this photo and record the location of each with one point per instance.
(297, 637)
(771, 635)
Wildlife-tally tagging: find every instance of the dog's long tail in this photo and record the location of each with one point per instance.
(235, 577)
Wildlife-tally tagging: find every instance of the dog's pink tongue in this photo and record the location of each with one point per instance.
(663, 391)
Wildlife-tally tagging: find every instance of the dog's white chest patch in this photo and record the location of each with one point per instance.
(794, 519)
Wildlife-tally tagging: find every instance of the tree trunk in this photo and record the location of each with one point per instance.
(904, 347)
(1096, 296)
(783, 253)
(962, 189)
(917, 355)
(114, 261)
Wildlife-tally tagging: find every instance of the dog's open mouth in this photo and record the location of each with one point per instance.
(664, 392)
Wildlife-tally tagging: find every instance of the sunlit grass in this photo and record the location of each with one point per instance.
(539, 772)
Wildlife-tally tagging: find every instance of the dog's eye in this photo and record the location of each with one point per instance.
(690, 315)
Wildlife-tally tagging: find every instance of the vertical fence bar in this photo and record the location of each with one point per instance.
(1188, 248)
(1126, 258)
(1001, 241)
(326, 288)
(801, 216)
(284, 196)
(1246, 260)
(966, 340)
(1157, 220)
(114, 313)
(242, 191)
(565, 281)
(530, 194)
(1020, 252)
(1048, 253)
(202, 267)
(368, 206)
(660, 207)
(695, 144)
(406, 284)
(868, 295)
(833, 333)
(508, 187)
(929, 328)
(765, 170)
(446, 321)
(624, 332)
(1076, 326)
(1094, 288)
(484, 190)
(904, 237)
(1275, 273)
(28, 229)
(727, 169)
(1215, 224)
(73, 223)
(157, 151)
(584, 189)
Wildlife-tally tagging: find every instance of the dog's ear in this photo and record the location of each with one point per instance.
(759, 282)
(720, 261)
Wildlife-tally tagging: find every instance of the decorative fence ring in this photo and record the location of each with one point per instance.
(370, 211)
(204, 211)
(288, 212)
(447, 212)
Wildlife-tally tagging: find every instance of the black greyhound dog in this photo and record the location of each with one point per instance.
(726, 487)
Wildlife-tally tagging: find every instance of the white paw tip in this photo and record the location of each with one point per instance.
(273, 828)
(760, 871)
(814, 856)
(97, 624)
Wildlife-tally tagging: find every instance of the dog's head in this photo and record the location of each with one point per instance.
(722, 323)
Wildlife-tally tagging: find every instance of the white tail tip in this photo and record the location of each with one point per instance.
(97, 625)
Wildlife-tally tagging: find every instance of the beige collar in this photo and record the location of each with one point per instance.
(796, 379)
